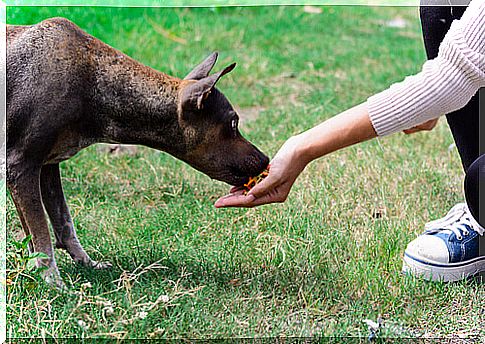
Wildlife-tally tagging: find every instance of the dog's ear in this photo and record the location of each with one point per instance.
(193, 96)
(203, 69)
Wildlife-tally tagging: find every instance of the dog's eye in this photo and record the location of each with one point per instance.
(234, 124)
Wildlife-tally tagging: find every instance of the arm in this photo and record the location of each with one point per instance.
(445, 84)
(345, 129)
(350, 127)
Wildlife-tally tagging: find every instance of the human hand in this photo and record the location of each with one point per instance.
(427, 126)
(286, 166)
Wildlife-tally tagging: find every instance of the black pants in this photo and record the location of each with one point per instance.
(464, 123)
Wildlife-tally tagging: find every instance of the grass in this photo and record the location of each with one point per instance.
(317, 265)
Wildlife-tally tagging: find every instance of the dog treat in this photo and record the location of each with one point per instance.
(255, 180)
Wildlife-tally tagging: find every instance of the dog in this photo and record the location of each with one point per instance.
(67, 90)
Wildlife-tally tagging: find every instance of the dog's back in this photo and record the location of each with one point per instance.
(53, 47)
(13, 31)
(48, 69)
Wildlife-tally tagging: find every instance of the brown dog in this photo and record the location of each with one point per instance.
(67, 90)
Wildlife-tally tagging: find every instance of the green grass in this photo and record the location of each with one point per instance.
(318, 264)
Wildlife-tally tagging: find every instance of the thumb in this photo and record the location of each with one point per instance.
(264, 187)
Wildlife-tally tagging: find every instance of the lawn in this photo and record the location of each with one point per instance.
(317, 265)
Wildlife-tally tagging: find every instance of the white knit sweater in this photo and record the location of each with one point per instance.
(444, 85)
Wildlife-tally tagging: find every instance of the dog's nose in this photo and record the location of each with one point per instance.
(260, 163)
(265, 161)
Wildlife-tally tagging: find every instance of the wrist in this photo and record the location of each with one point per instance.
(302, 149)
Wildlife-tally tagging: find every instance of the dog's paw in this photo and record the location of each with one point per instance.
(100, 265)
(52, 277)
(86, 261)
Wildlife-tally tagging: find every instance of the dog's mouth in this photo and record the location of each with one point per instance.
(240, 179)
(236, 179)
(231, 176)
(236, 175)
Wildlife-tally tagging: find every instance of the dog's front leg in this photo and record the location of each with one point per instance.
(24, 224)
(56, 207)
(24, 184)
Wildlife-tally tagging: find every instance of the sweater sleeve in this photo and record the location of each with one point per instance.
(445, 84)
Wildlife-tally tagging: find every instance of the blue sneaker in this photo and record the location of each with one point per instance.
(448, 249)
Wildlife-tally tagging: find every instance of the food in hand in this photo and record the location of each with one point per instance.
(253, 181)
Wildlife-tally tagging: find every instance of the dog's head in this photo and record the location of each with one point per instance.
(209, 124)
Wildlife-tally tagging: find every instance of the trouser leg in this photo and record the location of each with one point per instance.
(475, 178)
(464, 123)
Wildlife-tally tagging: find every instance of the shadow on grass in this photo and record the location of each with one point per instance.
(226, 275)
(222, 274)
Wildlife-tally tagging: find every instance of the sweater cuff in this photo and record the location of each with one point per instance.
(382, 113)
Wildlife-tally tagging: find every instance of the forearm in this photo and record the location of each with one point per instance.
(350, 127)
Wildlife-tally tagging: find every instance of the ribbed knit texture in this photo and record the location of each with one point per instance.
(445, 84)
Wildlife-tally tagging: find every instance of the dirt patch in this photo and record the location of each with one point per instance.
(249, 114)
(288, 89)
(117, 149)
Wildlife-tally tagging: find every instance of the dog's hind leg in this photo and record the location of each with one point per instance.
(24, 185)
(56, 207)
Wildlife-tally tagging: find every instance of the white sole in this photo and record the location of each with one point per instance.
(442, 272)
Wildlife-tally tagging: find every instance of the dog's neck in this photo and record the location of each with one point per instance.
(134, 103)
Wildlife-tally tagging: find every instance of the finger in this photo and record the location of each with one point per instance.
(234, 200)
(247, 201)
(267, 184)
(265, 199)
(236, 193)
(411, 131)
(430, 124)
(235, 189)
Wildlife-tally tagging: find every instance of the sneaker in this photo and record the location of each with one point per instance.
(448, 249)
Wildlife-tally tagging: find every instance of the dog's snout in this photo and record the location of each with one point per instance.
(256, 163)
(264, 162)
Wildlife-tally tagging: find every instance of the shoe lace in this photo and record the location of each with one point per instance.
(458, 220)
